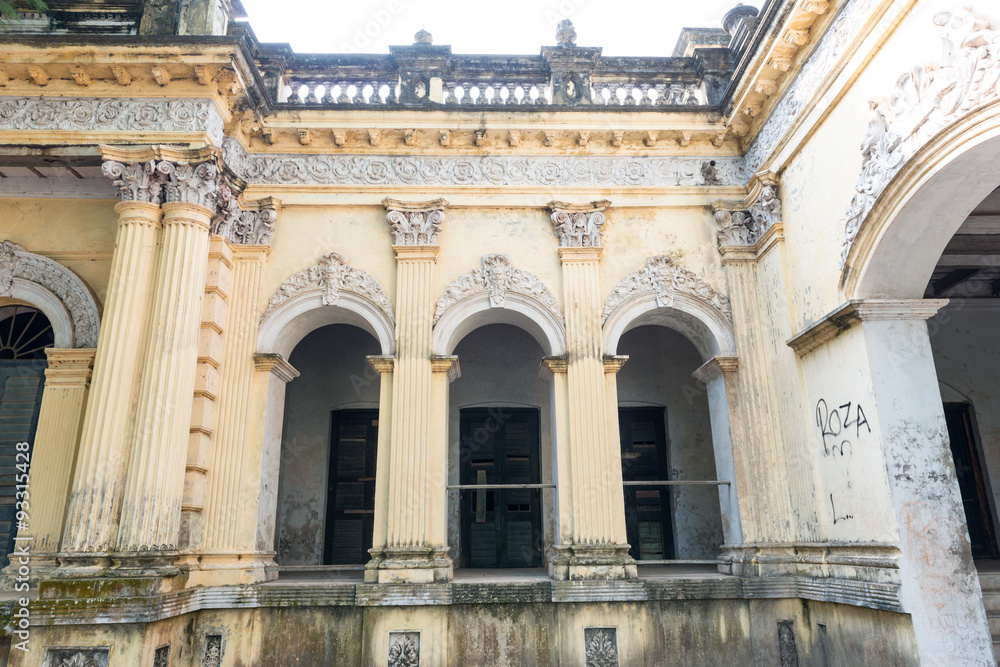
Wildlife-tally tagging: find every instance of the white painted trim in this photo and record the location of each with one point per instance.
(50, 305)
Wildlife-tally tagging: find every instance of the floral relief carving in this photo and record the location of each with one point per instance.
(415, 227)
(486, 171)
(665, 279)
(333, 275)
(925, 99)
(76, 657)
(135, 181)
(192, 183)
(601, 647)
(16, 262)
(404, 649)
(497, 277)
(733, 227)
(213, 651)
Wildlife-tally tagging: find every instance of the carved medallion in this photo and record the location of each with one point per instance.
(404, 649)
(498, 277)
(601, 647)
(663, 277)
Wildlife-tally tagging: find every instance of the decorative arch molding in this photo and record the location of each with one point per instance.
(926, 100)
(496, 293)
(666, 294)
(55, 290)
(331, 292)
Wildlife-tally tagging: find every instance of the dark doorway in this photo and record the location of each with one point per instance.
(971, 482)
(500, 528)
(644, 458)
(350, 505)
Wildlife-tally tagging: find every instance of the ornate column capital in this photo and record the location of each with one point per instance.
(251, 225)
(579, 225)
(414, 223)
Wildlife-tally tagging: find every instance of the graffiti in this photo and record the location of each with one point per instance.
(834, 429)
(838, 517)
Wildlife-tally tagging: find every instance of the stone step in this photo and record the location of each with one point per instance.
(989, 581)
(991, 600)
(994, 619)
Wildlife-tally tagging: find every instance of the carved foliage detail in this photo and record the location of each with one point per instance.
(925, 99)
(578, 229)
(733, 227)
(333, 275)
(663, 277)
(76, 657)
(415, 227)
(404, 649)
(16, 262)
(601, 647)
(497, 277)
(161, 658)
(135, 181)
(213, 651)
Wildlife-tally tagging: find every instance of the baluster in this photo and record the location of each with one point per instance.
(311, 93)
(392, 97)
(644, 98)
(376, 97)
(328, 97)
(359, 93)
(293, 92)
(343, 98)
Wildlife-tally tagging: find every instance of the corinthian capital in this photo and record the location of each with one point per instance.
(579, 225)
(415, 223)
(136, 181)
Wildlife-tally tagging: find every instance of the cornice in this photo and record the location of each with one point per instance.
(855, 311)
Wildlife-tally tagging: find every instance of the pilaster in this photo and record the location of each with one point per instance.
(107, 424)
(416, 542)
(591, 549)
(67, 381)
(384, 366)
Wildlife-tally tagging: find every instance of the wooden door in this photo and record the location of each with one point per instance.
(971, 480)
(647, 508)
(500, 528)
(20, 399)
(350, 505)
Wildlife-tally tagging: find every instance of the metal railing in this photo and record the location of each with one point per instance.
(679, 482)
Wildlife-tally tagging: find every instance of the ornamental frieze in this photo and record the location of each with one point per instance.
(497, 276)
(118, 114)
(480, 170)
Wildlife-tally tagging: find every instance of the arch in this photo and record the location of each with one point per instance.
(498, 293)
(899, 242)
(49, 286)
(331, 292)
(665, 294)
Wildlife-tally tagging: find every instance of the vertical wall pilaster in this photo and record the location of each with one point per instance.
(67, 380)
(613, 461)
(592, 550)
(384, 366)
(103, 452)
(413, 553)
(154, 484)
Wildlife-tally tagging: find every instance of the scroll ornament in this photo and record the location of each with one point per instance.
(498, 277)
(663, 277)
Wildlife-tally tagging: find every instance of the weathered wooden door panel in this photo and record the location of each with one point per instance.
(971, 480)
(647, 508)
(350, 508)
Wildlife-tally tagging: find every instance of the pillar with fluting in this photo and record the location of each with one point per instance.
(593, 548)
(230, 535)
(107, 423)
(67, 380)
(151, 506)
(413, 551)
(384, 365)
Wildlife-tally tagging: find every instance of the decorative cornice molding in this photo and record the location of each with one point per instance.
(381, 363)
(498, 277)
(663, 277)
(482, 170)
(18, 263)
(613, 364)
(333, 275)
(579, 225)
(715, 367)
(925, 100)
(415, 223)
(852, 312)
(276, 365)
(117, 115)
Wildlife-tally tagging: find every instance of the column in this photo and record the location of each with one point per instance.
(412, 552)
(592, 549)
(104, 440)
(384, 366)
(230, 536)
(151, 506)
(613, 461)
(67, 380)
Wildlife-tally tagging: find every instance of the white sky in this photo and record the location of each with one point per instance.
(621, 27)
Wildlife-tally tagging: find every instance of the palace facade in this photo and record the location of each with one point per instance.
(436, 359)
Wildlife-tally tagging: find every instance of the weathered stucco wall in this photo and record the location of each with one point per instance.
(500, 368)
(334, 375)
(658, 373)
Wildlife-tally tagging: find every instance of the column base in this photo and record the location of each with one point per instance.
(143, 564)
(38, 568)
(81, 565)
(394, 565)
(229, 568)
(593, 561)
(840, 560)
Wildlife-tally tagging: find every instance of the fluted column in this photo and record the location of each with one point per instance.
(412, 553)
(384, 366)
(592, 549)
(613, 460)
(106, 430)
(151, 507)
(230, 536)
(67, 380)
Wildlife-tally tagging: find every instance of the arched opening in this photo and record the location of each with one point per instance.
(500, 433)
(25, 332)
(326, 486)
(666, 435)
